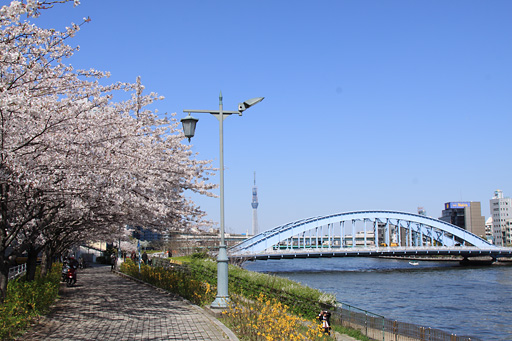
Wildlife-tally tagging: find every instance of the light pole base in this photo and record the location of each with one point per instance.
(221, 302)
(222, 298)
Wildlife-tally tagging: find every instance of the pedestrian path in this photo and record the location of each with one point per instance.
(106, 306)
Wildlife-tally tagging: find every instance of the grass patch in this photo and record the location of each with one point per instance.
(356, 334)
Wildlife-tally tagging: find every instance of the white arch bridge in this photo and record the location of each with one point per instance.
(365, 234)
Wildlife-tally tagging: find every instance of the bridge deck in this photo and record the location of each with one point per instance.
(375, 252)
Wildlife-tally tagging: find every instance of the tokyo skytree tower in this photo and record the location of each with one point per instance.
(254, 205)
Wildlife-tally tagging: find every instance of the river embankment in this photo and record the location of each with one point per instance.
(464, 300)
(473, 261)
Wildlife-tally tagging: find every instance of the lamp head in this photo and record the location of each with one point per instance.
(247, 104)
(189, 126)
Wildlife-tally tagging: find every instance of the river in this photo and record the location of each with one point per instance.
(473, 301)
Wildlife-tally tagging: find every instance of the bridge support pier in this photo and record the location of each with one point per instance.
(475, 261)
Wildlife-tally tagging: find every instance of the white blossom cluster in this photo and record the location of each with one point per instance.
(76, 165)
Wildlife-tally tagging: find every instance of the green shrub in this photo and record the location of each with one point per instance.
(183, 283)
(26, 300)
(200, 255)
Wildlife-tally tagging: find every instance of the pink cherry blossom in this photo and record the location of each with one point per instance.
(77, 165)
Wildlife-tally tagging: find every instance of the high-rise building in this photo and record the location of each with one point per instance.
(254, 205)
(501, 213)
(466, 215)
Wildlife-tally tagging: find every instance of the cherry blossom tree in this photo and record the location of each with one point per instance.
(76, 164)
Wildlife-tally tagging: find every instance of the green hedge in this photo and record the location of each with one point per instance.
(26, 300)
(182, 282)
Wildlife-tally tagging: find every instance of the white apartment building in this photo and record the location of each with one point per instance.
(488, 230)
(501, 212)
(508, 232)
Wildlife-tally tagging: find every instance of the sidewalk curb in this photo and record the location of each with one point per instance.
(214, 318)
(210, 315)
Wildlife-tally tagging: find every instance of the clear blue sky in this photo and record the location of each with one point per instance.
(368, 104)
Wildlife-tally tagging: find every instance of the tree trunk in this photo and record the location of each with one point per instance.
(4, 277)
(31, 263)
(44, 263)
(46, 260)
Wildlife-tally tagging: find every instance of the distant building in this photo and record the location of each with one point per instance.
(360, 239)
(466, 215)
(186, 243)
(508, 232)
(392, 238)
(501, 213)
(488, 229)
(141, 233)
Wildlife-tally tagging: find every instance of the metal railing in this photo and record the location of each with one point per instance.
(378, 327)
(17, 271)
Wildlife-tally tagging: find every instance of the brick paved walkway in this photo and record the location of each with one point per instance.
(106, 306)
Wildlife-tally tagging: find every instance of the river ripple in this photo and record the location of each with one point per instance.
(475, 301)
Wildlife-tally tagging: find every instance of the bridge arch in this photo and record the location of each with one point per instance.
(361, 229)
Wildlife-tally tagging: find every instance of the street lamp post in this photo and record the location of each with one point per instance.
(189, 124)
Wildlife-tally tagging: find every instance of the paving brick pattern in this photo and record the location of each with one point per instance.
(106, 306)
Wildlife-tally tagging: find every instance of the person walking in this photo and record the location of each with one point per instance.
(145, 257)
(113, 260)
